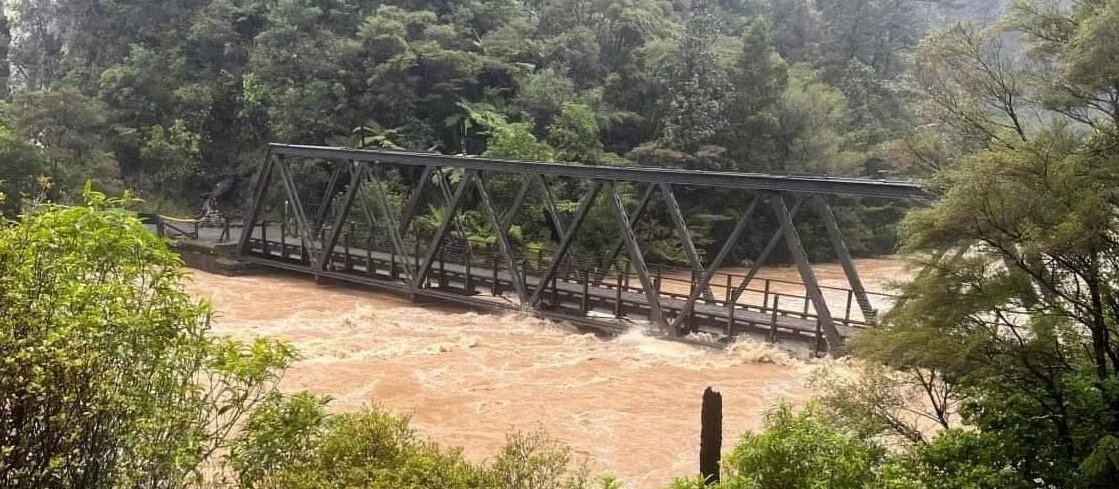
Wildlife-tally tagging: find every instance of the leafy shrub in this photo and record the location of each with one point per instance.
(292, 443)
(110, 376)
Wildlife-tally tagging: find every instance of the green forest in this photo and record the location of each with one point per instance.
(110, 376)
(176, 100)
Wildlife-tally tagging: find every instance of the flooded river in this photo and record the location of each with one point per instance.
(627, 406)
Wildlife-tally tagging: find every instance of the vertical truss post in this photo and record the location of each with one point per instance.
(331, 187)
(638, 260)
(769, 249)
(844, 255)
(685, 236)
(796, 248)
(259, 193)
(441, 233)
(415, 199)
(616, 249)
(565, 243)
(305, 237)
(336, 227)
(713, 268)
(502, 237)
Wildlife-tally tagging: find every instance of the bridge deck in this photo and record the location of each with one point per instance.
(610, 305)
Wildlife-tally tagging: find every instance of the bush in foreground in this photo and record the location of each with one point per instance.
(109, 373)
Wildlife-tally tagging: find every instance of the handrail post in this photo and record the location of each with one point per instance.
(773, 320)
(496, 289)
(584, 304)
(264, 237)
(468, 265)
(618, 298)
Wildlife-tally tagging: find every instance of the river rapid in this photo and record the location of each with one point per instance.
(627, 406)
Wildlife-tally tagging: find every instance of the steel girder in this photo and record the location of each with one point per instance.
(368, 190)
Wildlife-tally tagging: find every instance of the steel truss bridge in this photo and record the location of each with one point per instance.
(354, 216)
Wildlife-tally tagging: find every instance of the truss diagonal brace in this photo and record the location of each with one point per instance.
(305, 235)
(550, 203)
(705, 278)
(502, 238)
(685, 236)
(381, 198)
(258, 203)
(331, 187)
(441, 233)
(638, 260)
(336, 229)
(616, 249)
(414, 200)
(507, 220)
(565, 243)
(844, 255)
(769, 249)
(812, 288)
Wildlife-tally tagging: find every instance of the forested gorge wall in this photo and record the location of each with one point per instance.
(176, 99)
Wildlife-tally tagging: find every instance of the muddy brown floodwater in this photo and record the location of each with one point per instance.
(627, 406)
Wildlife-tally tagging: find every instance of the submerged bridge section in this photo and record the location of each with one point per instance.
(409, 223)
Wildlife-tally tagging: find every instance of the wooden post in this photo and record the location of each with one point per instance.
(730, 287)
(370, 269)
(730, 319)
(711, 435)
(442, 266)
(584, 304)
(627, 275)
(469, 285)
(618, 297)
(346, 247)
(847, 313)
(392, 262)
(264, 237)
(773, 321)
(496, 289)
(765, 294)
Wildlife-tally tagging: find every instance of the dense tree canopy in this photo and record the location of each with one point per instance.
(176, 99)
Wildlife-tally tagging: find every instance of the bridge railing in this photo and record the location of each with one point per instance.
(763, 294)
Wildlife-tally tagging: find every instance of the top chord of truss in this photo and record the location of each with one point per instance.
(858, 187)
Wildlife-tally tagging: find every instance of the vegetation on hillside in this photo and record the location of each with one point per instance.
(1009, 337)
(176, 100)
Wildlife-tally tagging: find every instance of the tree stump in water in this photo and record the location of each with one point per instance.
(711, 435)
